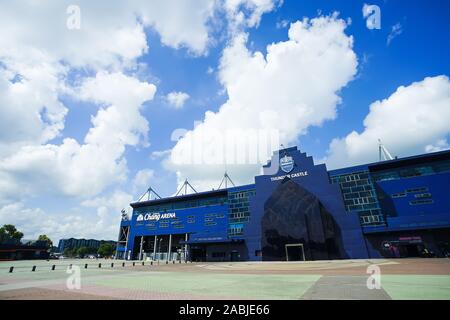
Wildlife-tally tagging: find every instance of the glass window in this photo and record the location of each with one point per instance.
(420, 202)
(423, 195)
(413, 190)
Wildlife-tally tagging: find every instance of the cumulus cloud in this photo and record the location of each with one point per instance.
(116, 201)
(30, 110)
(293, 87)
(142, 179)
(177, 99)
(39, 54)
(104, 39)
(160, 154)
(86, 169)
(41, 60)
(440, 145)
(35, 221)
(413, 120)
(247, 13)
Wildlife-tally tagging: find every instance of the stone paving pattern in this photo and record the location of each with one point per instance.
(339, 279)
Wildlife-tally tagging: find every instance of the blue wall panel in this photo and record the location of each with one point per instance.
(316, 182)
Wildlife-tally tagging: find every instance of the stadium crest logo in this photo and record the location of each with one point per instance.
(287, 164)
(140, 218)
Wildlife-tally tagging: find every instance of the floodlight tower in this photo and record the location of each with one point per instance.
(383, 153)
(149, 193)
(185, 186)
(226, 178)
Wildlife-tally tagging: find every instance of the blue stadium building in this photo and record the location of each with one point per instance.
(297, 210)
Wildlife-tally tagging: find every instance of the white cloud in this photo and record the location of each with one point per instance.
(282, 24)
(293, 87)
(111, 33)
(142, 179)
(38, 53)
(115, 201)
(41, 60)
(30, 111)
(247, 13)
(408, 122)
(396, 30)
(177, 99)
(180, 23)
(86, 169)
(160, 154)
(35, 221)
(440, 145)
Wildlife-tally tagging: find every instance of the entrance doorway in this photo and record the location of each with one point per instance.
(198, 253)
(411, 250)
(234, 255)
(295, 252)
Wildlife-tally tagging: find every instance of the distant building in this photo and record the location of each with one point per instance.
(72, 243)
(24, 250)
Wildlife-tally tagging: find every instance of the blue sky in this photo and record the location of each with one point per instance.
(416, 53)
(172, 56)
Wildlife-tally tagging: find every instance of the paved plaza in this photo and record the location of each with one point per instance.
(340, 279)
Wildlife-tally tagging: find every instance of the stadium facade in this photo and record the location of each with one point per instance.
(302, 211)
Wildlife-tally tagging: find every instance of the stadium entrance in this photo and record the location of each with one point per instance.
(295, 252)
(198, 253)
(169, 247)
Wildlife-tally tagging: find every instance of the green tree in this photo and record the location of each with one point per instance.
(106, 249)
(44, 237)
(69, 252)
(82, 251)
(9, 233)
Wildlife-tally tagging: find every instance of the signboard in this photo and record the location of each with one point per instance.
(290, 176)
(155, 216)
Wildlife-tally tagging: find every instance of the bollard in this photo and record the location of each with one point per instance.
(33, 269)
(70, 266)
(134, 263)
(173, 261)
(143, 263)
(99, 265)
(53, 267)
(167, 262)
(112, 264)
(123, 264)
(151, 262)
(11, 269)
(85, 265)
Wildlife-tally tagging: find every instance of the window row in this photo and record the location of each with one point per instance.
(413, 171)
(419, 202)
(371, 219)
(185, 204)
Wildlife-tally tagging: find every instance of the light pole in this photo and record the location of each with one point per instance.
(159, 249)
